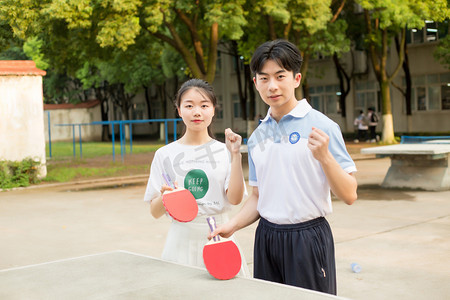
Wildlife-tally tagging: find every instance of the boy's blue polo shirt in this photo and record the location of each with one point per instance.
(292, 185)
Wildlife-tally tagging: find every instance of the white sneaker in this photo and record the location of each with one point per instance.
(373, 140)
(356, 141)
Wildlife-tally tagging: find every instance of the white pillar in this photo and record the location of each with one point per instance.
(22, 113)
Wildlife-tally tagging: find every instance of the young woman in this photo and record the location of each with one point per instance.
(211, 170)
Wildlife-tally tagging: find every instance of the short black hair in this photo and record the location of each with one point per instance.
(283, 52)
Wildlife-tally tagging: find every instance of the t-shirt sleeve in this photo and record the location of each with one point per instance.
(155, 180)
(339, 151)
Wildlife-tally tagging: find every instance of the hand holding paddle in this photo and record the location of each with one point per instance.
(179, 203)
(221, 256)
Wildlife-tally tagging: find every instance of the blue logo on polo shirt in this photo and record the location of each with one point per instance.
(294, 137)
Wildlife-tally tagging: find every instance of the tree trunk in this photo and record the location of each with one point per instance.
(342, 81)
(251, 101)
(147, 101)
(388, 122)
(305, 87)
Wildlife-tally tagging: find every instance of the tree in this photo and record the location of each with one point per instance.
(442, 52)
(344, 10)
(194, 28)
(308, 24)
(384, 20)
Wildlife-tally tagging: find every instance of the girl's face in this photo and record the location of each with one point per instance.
(196, 110)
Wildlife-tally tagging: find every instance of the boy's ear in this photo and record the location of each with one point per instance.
(254, 80)
(298, 79)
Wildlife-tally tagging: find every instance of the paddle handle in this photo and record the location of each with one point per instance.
(168, 180)
(212, 226)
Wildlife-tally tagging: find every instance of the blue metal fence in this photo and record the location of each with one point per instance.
(121, 133)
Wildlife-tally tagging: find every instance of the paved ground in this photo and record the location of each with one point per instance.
(400, 238)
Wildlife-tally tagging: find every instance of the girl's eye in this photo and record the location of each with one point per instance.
(281, 76)
(205, 106)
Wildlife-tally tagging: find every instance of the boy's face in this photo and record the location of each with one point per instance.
(277, 85)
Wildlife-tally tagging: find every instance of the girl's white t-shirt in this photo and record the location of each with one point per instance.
(202, 169)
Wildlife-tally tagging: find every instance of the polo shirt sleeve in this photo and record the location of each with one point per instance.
(339, 151)
(252, 179)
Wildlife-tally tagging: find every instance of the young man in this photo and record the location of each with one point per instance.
(296, 155)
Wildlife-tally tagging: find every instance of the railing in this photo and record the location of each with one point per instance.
(121, 133)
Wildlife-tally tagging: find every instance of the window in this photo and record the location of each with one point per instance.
(236, 106)
(219, 108)
(430, 92)
(218, 62)
(431, 32)
(156, 112)
(138, 111)
(325, 98)
(366, 96)
(236, 61)
(445, 96)
(117, 113)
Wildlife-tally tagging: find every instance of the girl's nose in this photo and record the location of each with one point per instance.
(196, 111)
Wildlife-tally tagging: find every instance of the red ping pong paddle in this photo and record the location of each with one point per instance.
(179, 203)
(221, 256)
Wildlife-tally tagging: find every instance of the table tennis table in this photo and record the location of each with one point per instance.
(125, 275)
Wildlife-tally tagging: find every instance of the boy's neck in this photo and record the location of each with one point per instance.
(277, 113)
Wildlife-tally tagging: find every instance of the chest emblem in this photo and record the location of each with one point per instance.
(197, 183)
(294, 137)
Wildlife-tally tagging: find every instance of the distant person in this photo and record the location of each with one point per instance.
(373, 122)
(211, 170)
(362, 125)
(295, 157)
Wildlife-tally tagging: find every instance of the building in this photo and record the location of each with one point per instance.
(430, 91)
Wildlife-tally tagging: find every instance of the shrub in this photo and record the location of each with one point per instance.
(18, 173)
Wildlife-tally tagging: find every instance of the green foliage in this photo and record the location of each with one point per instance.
(18, 173)
(13, 53)
(6, 35)
(229, 15)
(32, 48)
(23, 16)
(411, 13)
(310, 16)
(442, 52)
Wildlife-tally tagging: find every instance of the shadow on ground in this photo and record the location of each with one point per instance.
(376, 192)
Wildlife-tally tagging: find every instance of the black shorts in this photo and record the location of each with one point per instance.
(296, 254)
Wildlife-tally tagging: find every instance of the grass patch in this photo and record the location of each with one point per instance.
(96, 161)
(65, 150)
(64, 172)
